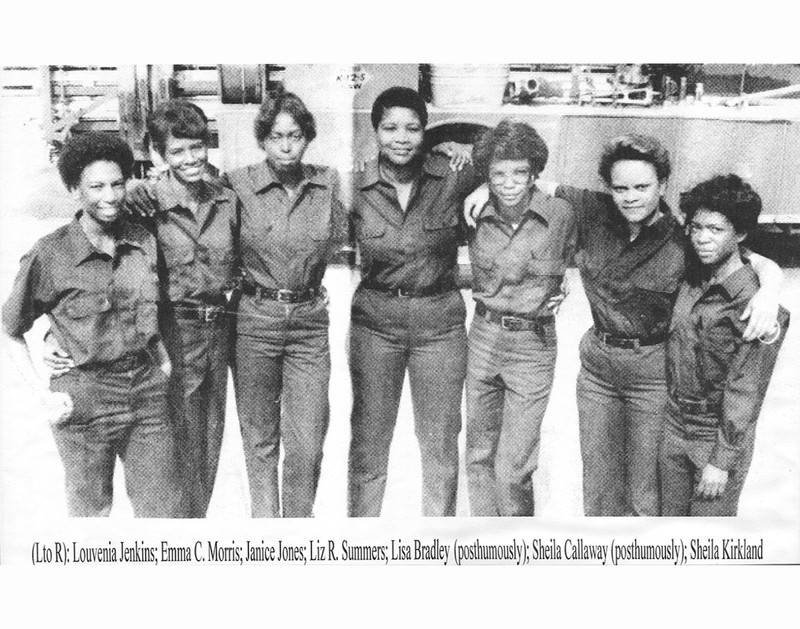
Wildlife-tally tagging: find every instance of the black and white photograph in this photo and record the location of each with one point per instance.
(271, 315)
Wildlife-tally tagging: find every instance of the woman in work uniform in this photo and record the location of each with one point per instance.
(194, 219)
(522, 243)
(96, 280)
(292, 221)
(631, 256)
(407, 313)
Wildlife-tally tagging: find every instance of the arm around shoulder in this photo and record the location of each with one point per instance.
(762, 310)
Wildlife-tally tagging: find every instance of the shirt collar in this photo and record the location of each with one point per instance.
(265, 177)
(84, 250)
(737, 281)
(171, 193)
(434, 166)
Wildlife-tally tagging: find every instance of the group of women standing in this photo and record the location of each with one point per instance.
(268, 231)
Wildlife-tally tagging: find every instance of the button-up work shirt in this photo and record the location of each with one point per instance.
(286, 242)
(417, 249)
(708, 361)
(198, 249)
(100, 308)
(517, 271)
(631, 286)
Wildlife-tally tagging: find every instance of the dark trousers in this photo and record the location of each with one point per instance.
(509, 378)
(684, 454)
(197, 396)
(389, 336)
(281, 376)
(622, 395)
(118, 414)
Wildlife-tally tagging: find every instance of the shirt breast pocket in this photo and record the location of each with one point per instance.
(370, 230)
(656, 281)
(479, 258)
(439, 223)
(88, 318)
(649, 297)
(441, 234)
(372, 240)
(717, 350)
(315, 237)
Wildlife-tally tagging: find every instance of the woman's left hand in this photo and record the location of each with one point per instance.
(761, 314)
(554, 303)
(58, 407)
(712, 482)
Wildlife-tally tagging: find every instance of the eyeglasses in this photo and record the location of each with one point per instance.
(295, 137)
(499, 179)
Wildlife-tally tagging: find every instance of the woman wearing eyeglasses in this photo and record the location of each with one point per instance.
(631, 256)
(291, 222)
(519, 251)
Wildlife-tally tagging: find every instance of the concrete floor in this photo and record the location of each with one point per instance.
(31, 479)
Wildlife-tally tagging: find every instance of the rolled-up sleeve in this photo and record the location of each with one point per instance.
(748, 378)
(26, 303)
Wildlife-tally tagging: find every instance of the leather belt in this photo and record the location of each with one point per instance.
(126, 362)
(429, 291)
(697, 407)
(514, 323)
(282, 295)
(628, 342)
(198, 311)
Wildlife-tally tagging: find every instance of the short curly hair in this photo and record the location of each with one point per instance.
(87, 148)
(730, 196)
(640, 148)
(177, 118)
(513, 140)
(398, 96)
(288, 103)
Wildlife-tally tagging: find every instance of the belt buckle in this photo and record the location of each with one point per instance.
(403, 292)
(284, 295)
(126, 363)
(210, 313)
(692, 406)
(512, 324)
